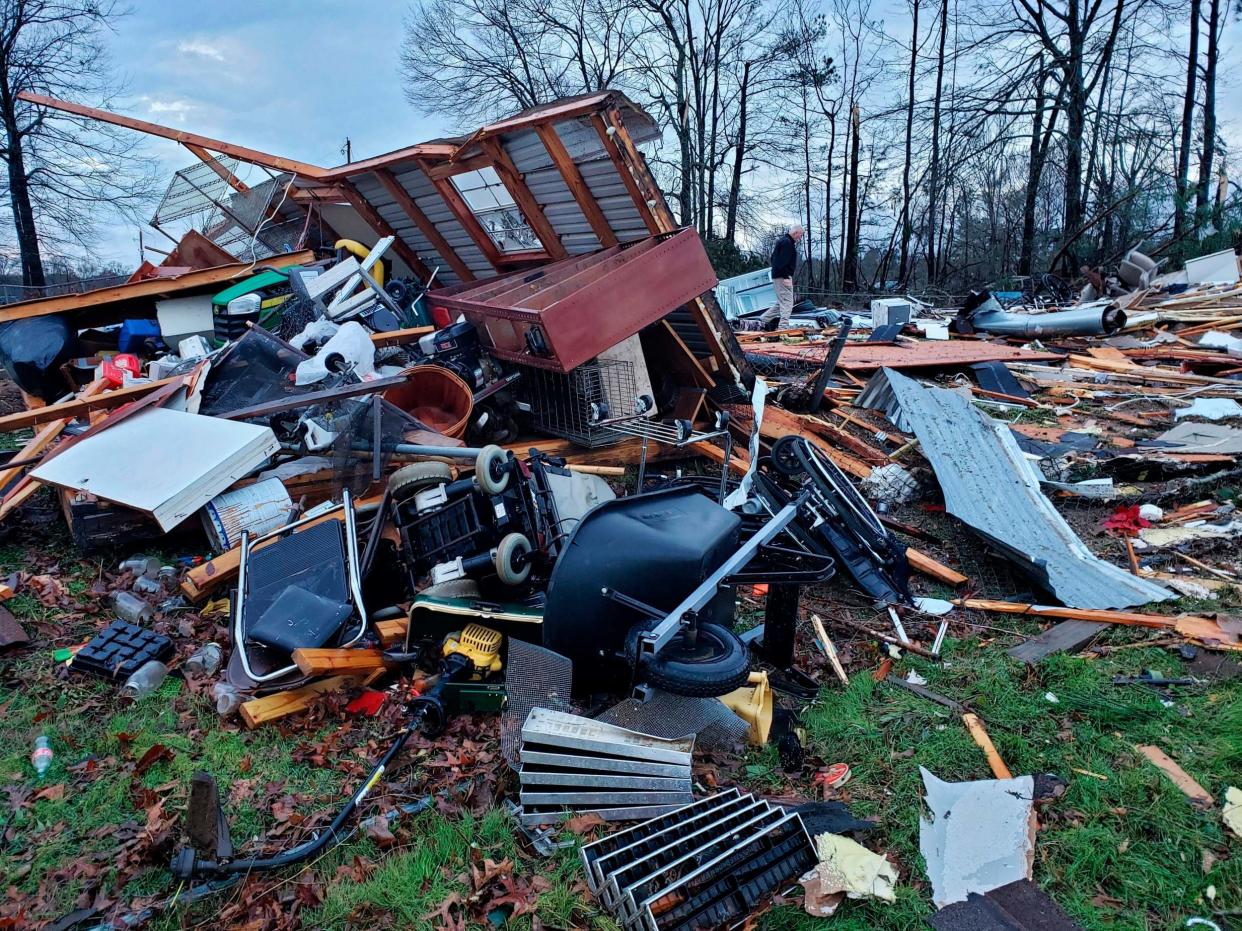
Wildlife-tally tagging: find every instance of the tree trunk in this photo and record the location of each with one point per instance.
(903, 268)
(832, 150)
(23, 211)
(1075, 127)
(849, 282)
(806, 187)
(1188, 121)
(1034, 171)
(1202, 207)
(735, 186)
(933, 173)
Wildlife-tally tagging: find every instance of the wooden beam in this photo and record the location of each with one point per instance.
(251, 156)
(282, 704)
(153, 287)
(577, 184)
(515, 184)
(921, 562)
(613, 150)
(465, 216)
(213, 163)
(423, 222)
(80, 406)
(460, 167)
(383, 228)
(319, 662)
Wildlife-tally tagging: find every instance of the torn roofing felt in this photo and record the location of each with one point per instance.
(989, 484)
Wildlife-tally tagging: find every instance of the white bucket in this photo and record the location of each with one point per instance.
(256, 508)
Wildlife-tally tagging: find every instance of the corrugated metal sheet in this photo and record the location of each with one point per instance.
(988, 484)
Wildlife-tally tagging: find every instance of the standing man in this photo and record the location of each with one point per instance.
(784, 264)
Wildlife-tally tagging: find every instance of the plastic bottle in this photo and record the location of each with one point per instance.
(148, 585)
(132, 608)
(227, 698)
(41, 759)
(205, 660)
(145, 680)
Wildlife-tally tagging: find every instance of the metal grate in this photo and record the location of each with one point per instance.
(534, 678)
(569, 405)
(663, 714)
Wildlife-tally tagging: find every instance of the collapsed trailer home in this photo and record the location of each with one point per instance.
(460, 436)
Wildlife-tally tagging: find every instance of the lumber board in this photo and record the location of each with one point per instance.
(392, 633)
(282, 704)
(980, 736)
(1199, 796)
(80, 406)
(922, 563)
(400, 337)
(1066, 636)
(323, 660)
(154, 287)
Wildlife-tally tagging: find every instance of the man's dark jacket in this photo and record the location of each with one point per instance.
(784, 257)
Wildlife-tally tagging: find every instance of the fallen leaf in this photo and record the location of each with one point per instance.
(377, 829)
(581, 824)
(153, 755)
(51, 793)
(448, 920)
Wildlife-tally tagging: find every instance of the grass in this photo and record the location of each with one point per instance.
(1125, 851)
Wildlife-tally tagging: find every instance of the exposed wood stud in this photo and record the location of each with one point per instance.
(421, 220)
(383, 228)
(627, 177)
(515, 184)
(457, 206)
(577, 184)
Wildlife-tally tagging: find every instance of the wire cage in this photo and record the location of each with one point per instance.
(570, 405)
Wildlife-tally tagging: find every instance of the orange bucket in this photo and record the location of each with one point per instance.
(436, 397)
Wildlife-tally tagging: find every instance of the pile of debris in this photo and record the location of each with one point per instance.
(542, 479)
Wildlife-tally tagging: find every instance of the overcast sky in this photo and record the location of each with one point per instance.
(296, 77)
(290, 78)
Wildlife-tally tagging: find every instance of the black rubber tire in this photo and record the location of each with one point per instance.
(512, 547)
(718, 665)
(409, 480)
(490, 471)
(785, 457)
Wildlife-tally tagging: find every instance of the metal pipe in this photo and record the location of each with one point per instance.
(1081, 321)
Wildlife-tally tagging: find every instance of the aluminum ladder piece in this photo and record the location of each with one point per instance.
(558, 729)
(603, 799)
(601, 866)
(596, 850)
(534, 815)
(666, 630)
(786, 847)
(590, 780)
(551, 757)
(630, 883)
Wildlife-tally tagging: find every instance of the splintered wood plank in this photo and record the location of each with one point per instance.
(921, 562)
(273, 707)
(1066, 636)
(321, 661)
(1198, 795)
(391, 633)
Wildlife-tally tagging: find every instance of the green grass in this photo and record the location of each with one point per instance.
(1120, 853)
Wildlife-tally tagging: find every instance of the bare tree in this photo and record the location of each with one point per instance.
(63, 172)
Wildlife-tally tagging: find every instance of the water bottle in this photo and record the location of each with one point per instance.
(226, 697)
(148, 585)
(205, 660)
(145, 680)
(132, 608)
(41, 759)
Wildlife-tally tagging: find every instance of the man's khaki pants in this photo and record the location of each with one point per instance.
(784, 303)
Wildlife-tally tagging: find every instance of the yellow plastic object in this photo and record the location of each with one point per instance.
(480, 645)
(753, 704)
(361, 252)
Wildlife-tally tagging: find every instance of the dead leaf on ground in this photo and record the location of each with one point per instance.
(581, 824)
(51, 793)
(153, 755)
(377, 829)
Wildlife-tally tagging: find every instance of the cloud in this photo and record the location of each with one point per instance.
(202, 48)
(164, 108)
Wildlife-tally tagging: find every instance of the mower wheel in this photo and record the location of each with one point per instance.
(785, 455)
(510, 559)
(715, 665)
(409, 480)
(490, 469)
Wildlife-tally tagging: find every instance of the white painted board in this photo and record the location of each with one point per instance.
(1217, 268)
(162, 462)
